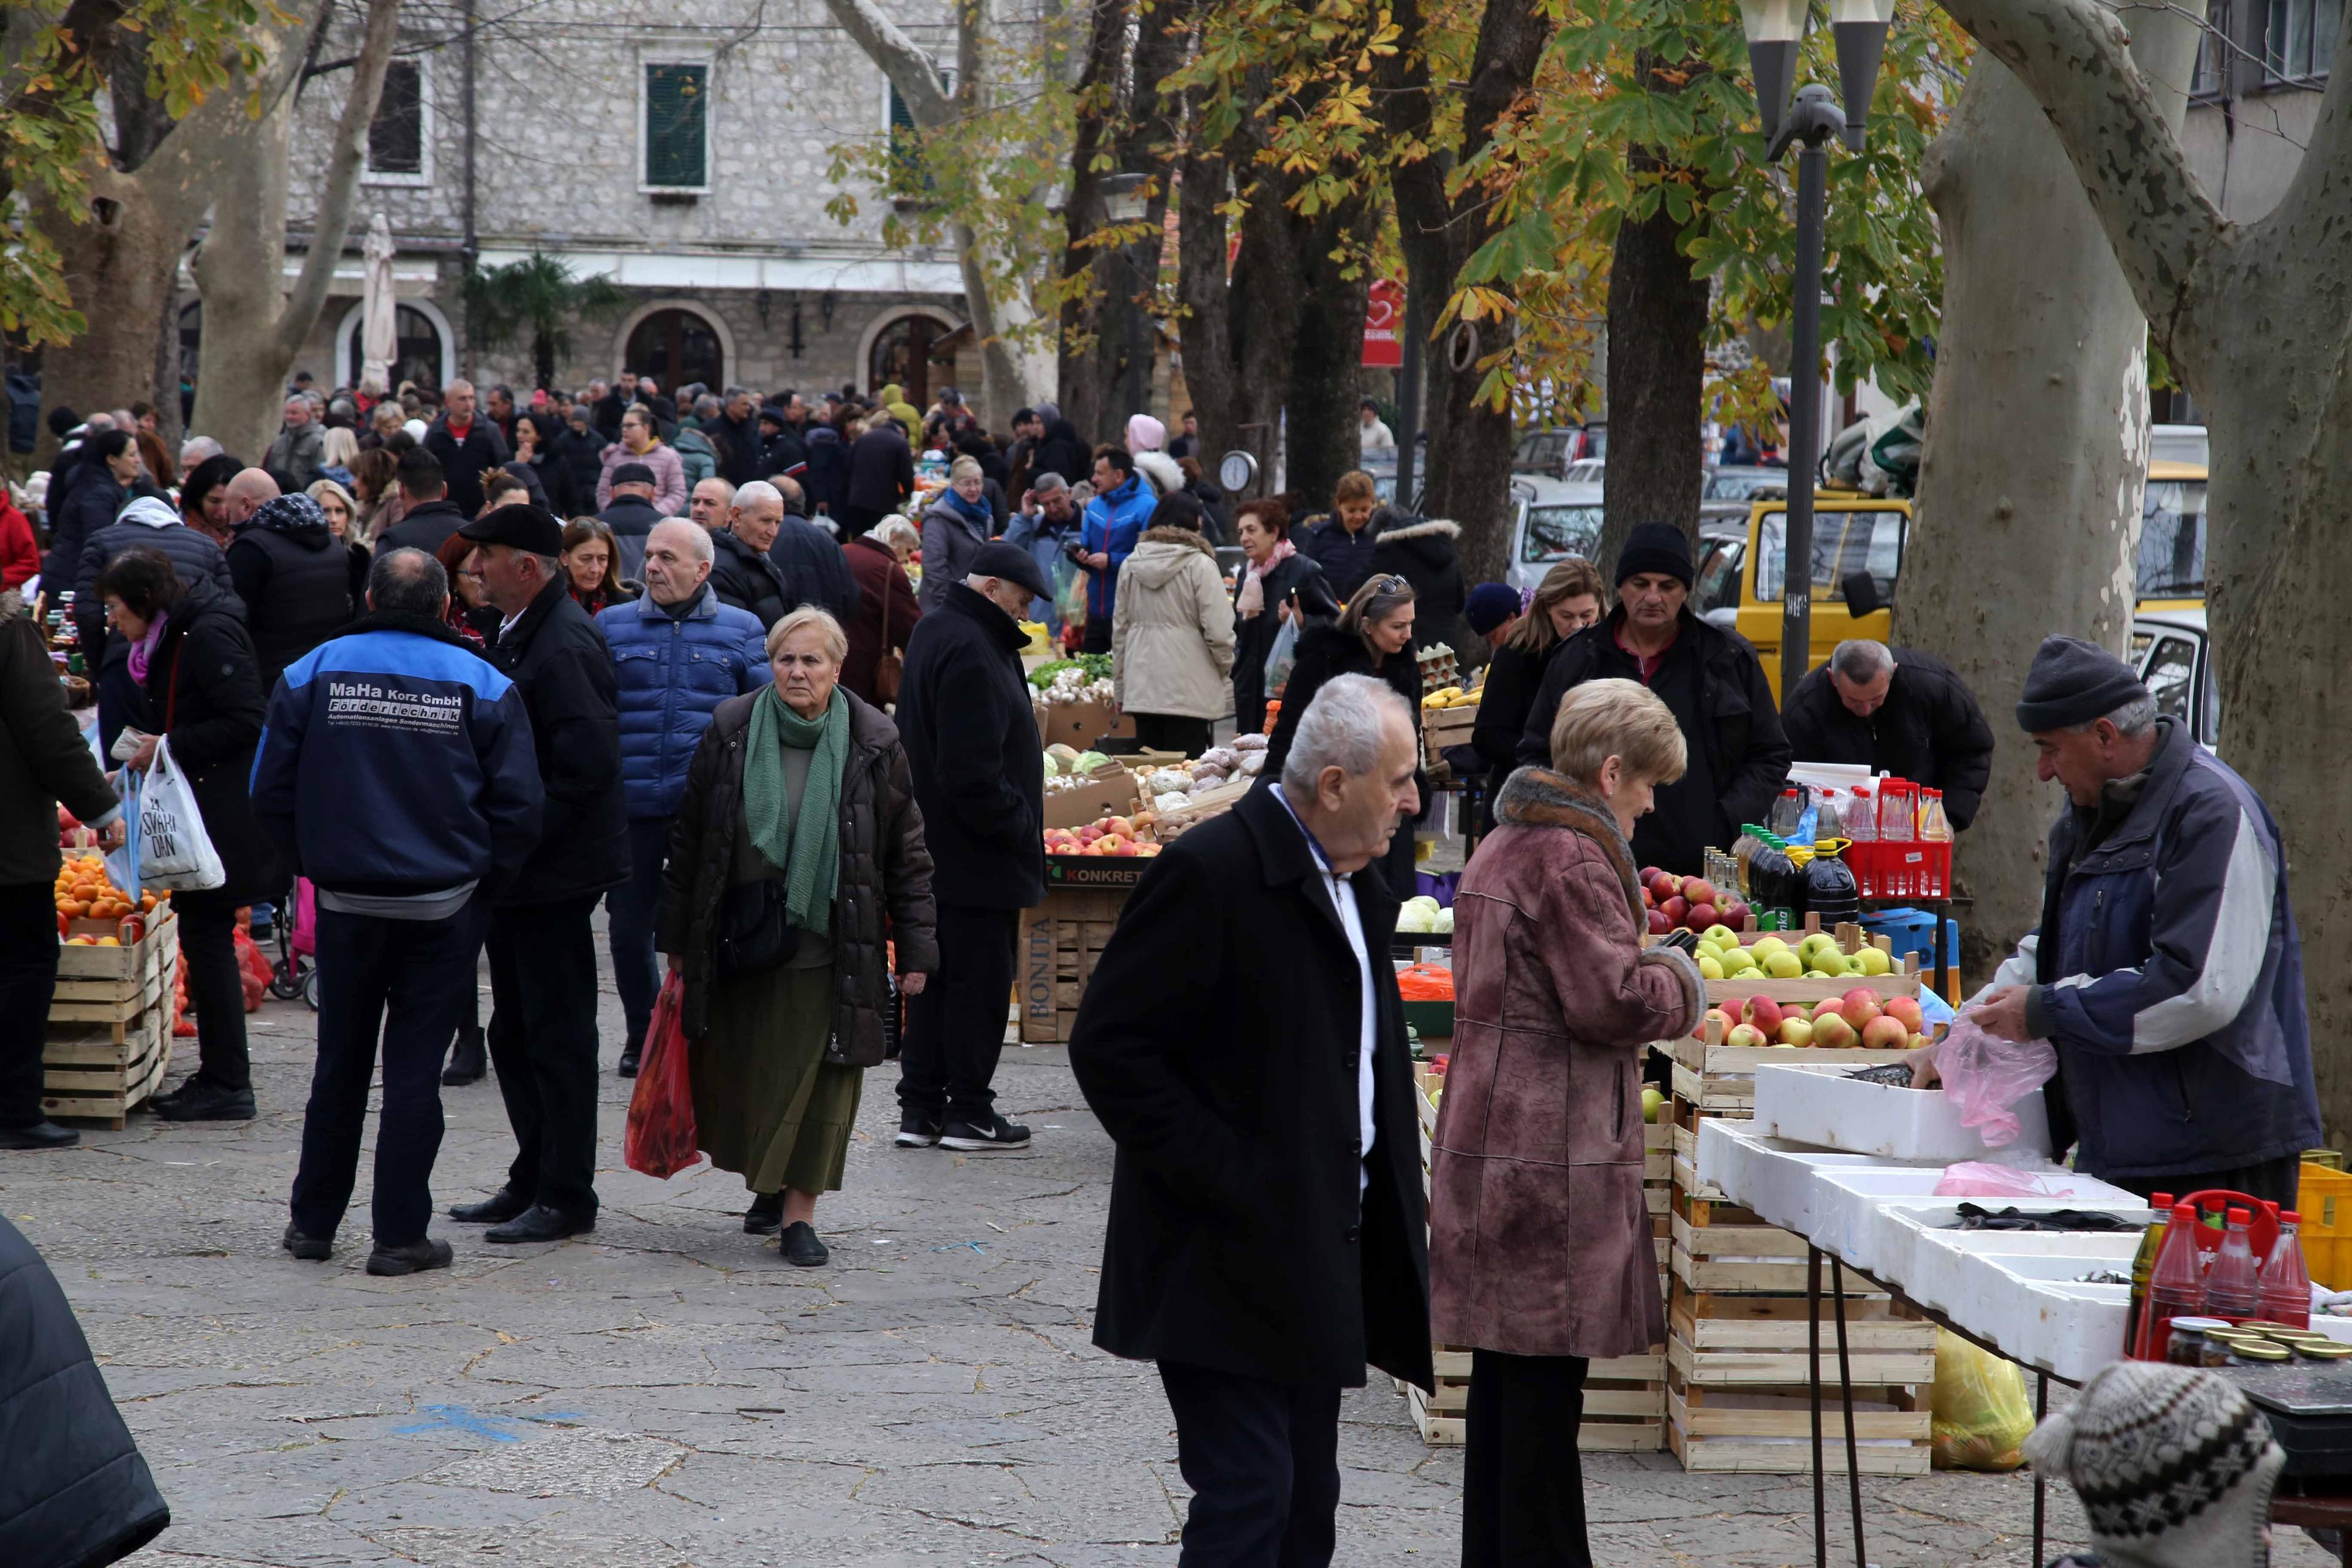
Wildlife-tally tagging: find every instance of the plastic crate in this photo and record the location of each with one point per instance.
(2323, 1198)
(1914, 868)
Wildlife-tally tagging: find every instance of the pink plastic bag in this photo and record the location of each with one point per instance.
(305, 940)
(1977, 1179)
(1984, 1075)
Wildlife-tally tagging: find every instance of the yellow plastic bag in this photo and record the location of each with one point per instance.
(1981, 1416)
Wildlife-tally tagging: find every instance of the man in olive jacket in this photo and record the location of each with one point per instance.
(1243, 1043)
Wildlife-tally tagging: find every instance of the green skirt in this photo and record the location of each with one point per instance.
(767, 1105)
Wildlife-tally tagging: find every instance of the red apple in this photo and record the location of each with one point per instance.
(1832, 1032)
(1906, 1010)
(1702, 916)
(1722, 1021)
(1651, 874)
(1665, 885)
(1746, 1036)
(1884, 1034)
(1734, 914)
(1120, 826)
(1649, 900)
(1677, 910)
(1859, 1008)
(1659, 924)
(1764, 1012)
(1699, 890)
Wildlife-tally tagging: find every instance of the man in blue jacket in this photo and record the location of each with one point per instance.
(1115, 519)
(2166, 969)
(397, 769)
(678, 654)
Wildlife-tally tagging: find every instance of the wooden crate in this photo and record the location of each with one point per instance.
(1768, 1431)
(1062, 940)
(1624, 1403)
(116, 984)
(99, 1072)
(1720, 1081)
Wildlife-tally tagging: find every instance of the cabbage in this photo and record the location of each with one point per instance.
(1412, 917)
(1051, 767)
(1088, 762)
(1443, 924)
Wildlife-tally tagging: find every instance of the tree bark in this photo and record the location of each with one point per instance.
(2036, 450)
(1321, 438)
(1083, 361)
(1206, 329)
(119, 267)
(1262, 300)
(1657, 371)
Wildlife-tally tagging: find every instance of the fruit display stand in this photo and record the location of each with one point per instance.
(1738, 1390)
(109, 1038)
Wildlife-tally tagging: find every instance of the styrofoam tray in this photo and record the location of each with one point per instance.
(1770, 1175)
(1944, 1264)
(1824, 1106)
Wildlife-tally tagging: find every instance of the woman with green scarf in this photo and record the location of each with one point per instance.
(796, 873)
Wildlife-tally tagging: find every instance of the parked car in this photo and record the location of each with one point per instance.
(1855, 537)
(1553, 520)
(2174, 656)
(1743, 481)
(1548, 452)
(2171, 566)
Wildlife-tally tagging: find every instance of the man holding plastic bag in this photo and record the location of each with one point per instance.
(2166, 970)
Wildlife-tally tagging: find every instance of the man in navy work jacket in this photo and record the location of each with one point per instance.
(678, 654)
(2166, 969)
(398, 724)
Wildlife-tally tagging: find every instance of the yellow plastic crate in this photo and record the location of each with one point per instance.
(2323, 1198)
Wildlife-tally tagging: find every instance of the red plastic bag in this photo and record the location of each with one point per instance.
(660, 1140)
(1425, 982)
(253, 969)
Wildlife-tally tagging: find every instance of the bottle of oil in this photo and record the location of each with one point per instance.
(2151, 1242)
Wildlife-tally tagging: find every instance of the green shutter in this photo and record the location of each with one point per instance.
(908, 175)
(677, 121)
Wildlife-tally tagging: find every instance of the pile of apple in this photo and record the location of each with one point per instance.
(1861, 1018)
(1104, 835)
(1687, 903)
(1816, 957)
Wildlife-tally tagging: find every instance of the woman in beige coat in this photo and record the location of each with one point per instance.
(1172, 642)
(1539, 1256)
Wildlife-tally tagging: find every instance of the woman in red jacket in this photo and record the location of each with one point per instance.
(20, 553)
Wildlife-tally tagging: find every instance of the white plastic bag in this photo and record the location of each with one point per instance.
(1281, 656)
(174, 850)
(122, 865)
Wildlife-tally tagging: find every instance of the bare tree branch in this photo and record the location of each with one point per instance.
(2075, 58)
(340, 189)
(908, 65)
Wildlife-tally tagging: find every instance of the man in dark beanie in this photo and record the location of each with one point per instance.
(1709, 677)
(2184, 1056)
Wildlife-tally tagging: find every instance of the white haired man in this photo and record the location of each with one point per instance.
(1266, 1239)
(1899, 711)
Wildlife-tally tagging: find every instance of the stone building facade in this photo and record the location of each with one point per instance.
(680, 149)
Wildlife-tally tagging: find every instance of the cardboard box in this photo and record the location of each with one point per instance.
(1080, 724)
(1057, 959)
(1109, 790)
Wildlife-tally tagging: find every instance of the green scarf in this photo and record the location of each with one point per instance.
(807, 851)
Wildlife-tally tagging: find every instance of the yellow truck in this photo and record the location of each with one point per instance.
(1741, 578)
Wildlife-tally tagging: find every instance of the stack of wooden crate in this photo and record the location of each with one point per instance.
(109, 1027)
(1738, 1398)
(1624, 1399)
(1061, 940)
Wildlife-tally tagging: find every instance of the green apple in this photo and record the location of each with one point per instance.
(1783, 966)
(1651, 1103)
(1875, 962)
(1710, 967)
(1721, 936)
(1796, 1032)
(1854, 966)
(1766, 946)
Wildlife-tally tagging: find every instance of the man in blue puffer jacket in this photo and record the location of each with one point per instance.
(397, 769)
(1115, 521)
(2166, 969)
(679, 653)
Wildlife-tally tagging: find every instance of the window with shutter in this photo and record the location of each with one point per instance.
(677, 114)
(395, 139)
(908, 178)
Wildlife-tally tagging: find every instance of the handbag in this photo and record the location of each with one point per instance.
(755, 933)
(891, 665)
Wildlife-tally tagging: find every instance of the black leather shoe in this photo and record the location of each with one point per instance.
(415, 1258)
(801, 1248)
(540, 1223)
(468, 1060)
(766, 1215)
(39, 1135)
(629, 1061)
(310, 1249)
(202, 1101)
(496, 1209)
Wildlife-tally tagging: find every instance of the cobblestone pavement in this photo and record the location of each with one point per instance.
(667, 1392)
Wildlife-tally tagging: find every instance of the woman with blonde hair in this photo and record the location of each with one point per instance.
(1567, 601)
(342, 512)
(796, 868)
(1539, 1273)
(338, 449)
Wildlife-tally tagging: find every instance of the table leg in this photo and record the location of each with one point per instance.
(1845, 1402)
(2040, 1409)
(1813, 1375)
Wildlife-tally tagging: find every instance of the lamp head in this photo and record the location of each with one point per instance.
(1860, 27)
(1775, 29)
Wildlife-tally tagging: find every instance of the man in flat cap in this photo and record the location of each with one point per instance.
(543, 1035)
(2166, 969)
(971, 740)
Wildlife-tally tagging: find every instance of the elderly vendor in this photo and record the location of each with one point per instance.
(2166, 969)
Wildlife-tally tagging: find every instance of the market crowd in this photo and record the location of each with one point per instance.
(665, 652)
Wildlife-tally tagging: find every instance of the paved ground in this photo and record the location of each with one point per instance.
(668, 1393)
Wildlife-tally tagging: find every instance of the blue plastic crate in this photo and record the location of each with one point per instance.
(1914, 930)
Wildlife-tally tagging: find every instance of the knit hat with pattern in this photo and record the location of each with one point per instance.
(2173, 1466)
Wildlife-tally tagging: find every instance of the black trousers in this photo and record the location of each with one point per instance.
(955, 1029)
(2274, 1180)
(1522, 1488)
(542, 1039)
(1098, 634)
(215, 990)
(409, 979)
(28, 980)
(1263, 1461)
(1173, 732)
(637, 973)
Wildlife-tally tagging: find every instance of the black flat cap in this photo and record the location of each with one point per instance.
(633, 474)
(530, 529)
(1013, 564)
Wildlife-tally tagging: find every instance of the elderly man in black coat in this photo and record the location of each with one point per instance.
(1243, 1043)
(980, 778)
(543, 1035)
(1900, 712)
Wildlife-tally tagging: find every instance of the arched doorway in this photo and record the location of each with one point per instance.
(902, 353)
(415, 348)
(676, 347)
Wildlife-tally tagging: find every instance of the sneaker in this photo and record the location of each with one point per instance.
(997, 1133)
(801, 1248)
(202, 1101)
(917, 1130)
(766, 1215)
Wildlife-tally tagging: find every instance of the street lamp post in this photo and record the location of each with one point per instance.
(1775, 31)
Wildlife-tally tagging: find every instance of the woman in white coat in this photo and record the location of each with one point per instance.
(1172, 637)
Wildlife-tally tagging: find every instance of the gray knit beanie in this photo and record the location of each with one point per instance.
(2173, 1466)
(2073, 682)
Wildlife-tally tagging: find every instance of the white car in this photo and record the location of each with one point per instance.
(1553, 520)
(2174, 656)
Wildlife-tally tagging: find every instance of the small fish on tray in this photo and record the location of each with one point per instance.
(1894, 1074)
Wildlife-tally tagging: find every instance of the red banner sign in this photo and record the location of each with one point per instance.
(1385, 326)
